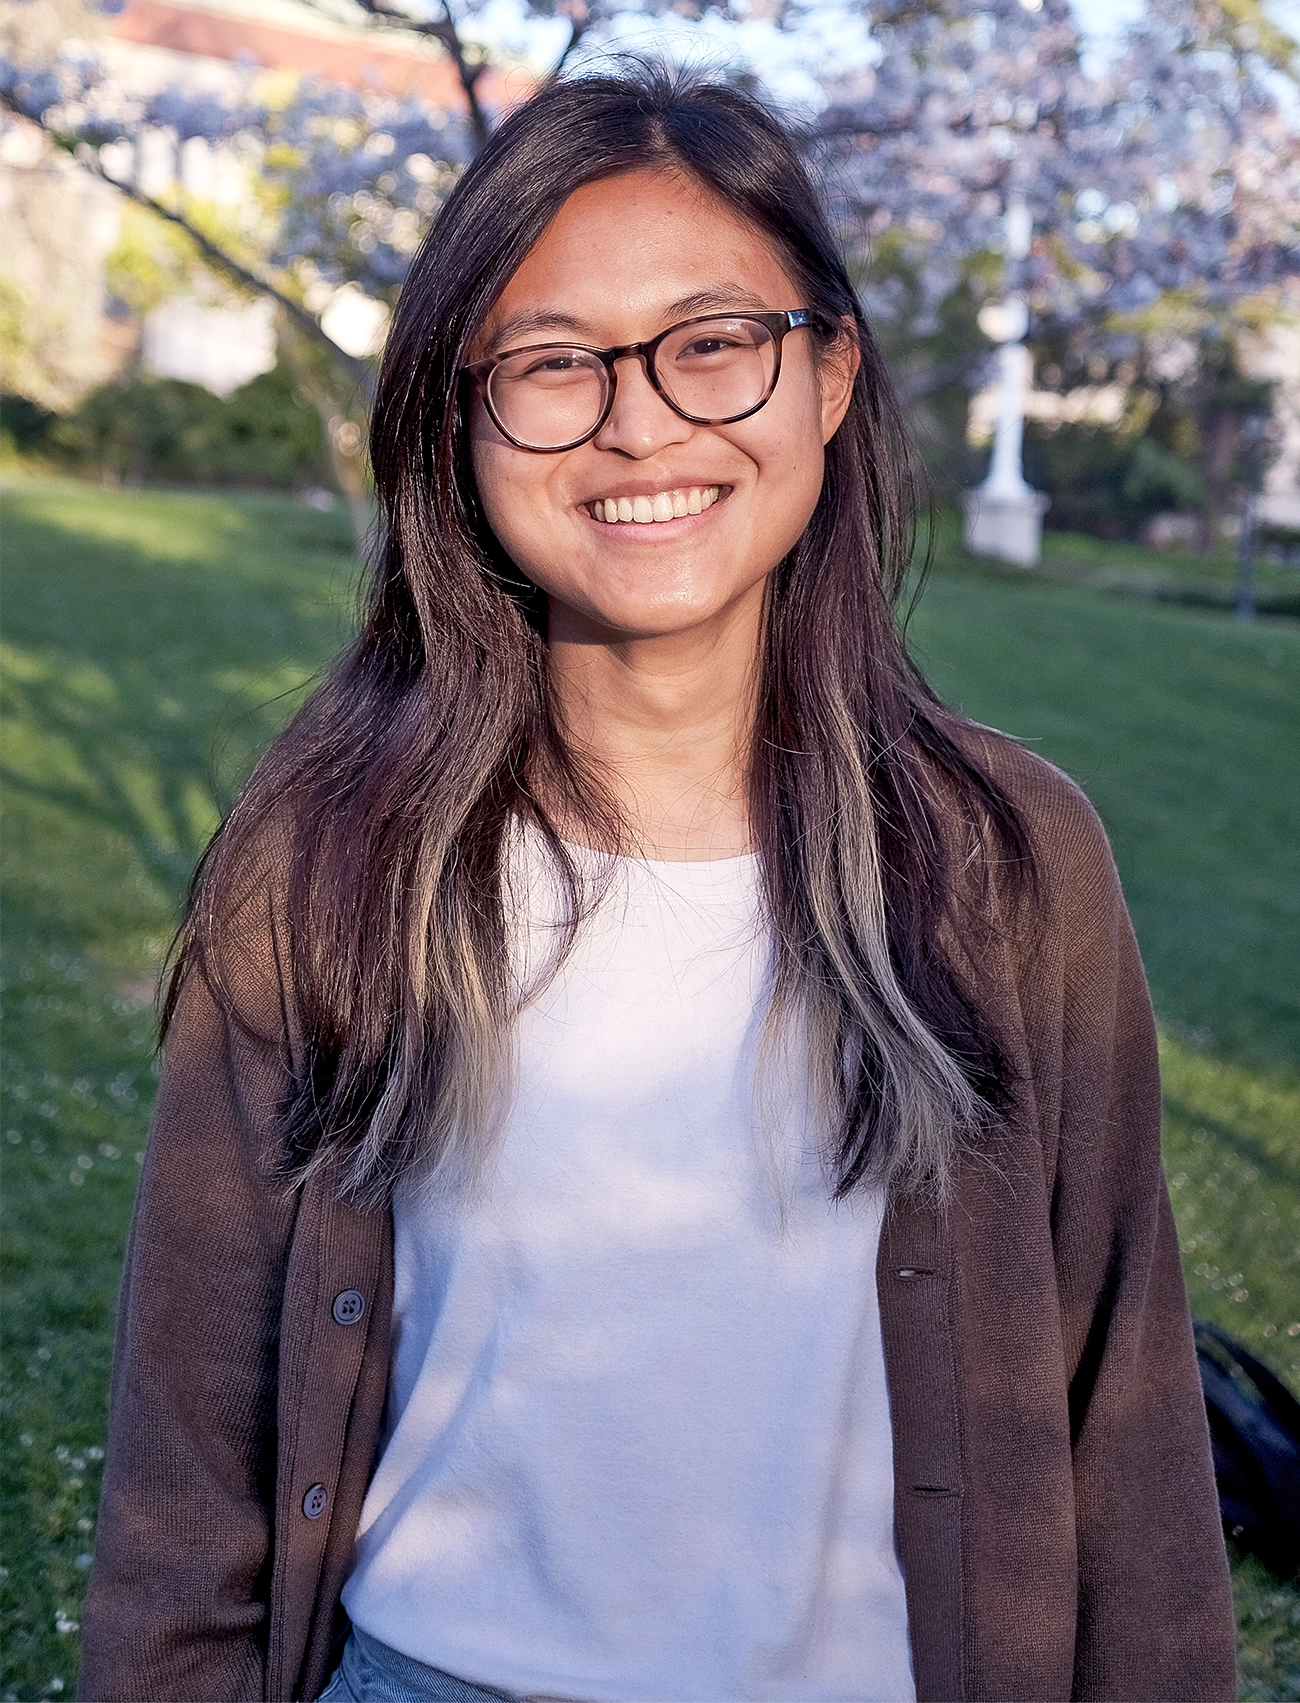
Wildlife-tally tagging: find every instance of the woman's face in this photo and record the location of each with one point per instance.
(624, 259)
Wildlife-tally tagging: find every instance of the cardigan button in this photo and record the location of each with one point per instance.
(313, 1503)
(348, 1307)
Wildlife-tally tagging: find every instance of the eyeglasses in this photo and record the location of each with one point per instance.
(712, 371)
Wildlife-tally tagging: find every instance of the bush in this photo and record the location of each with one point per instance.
(23, 425)
(163, 429)
(1105, 482)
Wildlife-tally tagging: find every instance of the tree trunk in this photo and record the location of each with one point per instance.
(341, 407)
(1221, 455)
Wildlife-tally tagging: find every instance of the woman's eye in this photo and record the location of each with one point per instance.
(709, 346)
(548, 364)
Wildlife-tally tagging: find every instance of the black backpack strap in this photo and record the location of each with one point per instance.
(1255, 1433)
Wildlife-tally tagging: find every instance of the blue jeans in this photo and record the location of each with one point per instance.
(371, 1672)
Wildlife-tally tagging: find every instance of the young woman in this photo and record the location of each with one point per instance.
(655, 1190)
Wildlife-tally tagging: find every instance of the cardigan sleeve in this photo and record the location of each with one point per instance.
(1155, 1614)
(177, 1606)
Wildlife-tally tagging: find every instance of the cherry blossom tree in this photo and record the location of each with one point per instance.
(1164, 194)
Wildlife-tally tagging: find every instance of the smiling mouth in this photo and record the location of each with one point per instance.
(650, 510)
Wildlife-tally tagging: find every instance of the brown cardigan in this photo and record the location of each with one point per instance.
(1055, 1506)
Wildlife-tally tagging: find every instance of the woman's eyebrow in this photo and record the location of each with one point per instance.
(525, 324)
(723, 297)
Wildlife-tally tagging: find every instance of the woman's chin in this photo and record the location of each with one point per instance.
(618, 601)
(623, 619)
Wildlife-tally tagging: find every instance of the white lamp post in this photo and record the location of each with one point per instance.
(1004, 517)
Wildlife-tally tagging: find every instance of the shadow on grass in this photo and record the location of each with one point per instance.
(141, 630)
(139, 641)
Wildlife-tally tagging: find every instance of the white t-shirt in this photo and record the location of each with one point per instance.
(638, 1444)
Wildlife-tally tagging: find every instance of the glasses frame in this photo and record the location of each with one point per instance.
(479, 373)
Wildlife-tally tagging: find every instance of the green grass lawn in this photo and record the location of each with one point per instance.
(154, 641)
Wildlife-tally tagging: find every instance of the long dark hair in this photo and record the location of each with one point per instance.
(397, 789)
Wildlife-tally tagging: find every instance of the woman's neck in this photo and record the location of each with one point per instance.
(667, 721)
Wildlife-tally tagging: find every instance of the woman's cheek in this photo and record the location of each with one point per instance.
(508, 503)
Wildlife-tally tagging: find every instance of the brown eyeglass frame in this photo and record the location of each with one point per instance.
(777, 325)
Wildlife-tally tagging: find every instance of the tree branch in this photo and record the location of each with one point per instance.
(217, 257)
(836, 122)
(577, 29)
(385, 16)
(86, 157)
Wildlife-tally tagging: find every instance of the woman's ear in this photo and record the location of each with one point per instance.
(836, 372)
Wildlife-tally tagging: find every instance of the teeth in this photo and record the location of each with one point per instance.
(664, 505)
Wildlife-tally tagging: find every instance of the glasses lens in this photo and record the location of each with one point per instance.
(717, 369)
(549, 397)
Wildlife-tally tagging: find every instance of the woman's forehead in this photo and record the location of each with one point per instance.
(644, 248)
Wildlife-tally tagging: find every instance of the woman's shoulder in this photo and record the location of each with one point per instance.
(1072, 854)
(236, 939)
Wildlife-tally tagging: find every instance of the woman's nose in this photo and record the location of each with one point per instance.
(640, 422)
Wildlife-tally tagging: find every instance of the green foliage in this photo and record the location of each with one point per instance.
(151, 261)
(147, 429)
(936, 353)
(1189, 439)
(1154, 478)
(1189, 443)
(144, 627)
(23, 426)
(1107, 482)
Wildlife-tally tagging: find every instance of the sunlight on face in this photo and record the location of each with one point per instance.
(624, 259)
